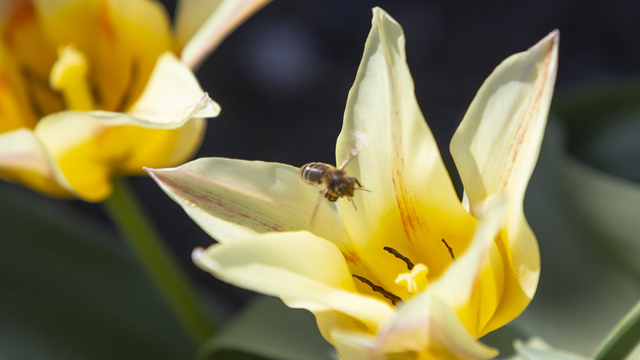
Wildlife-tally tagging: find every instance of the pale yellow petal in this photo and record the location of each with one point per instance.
(201, 25)
(172, 87)
(427, 327)
(352, 345)
(330, 321)
(24, 158)
(412, 205)
(172, 93)
(497, 143)
(232, 199)
(92, 147)
(473, 285)
(496, 148)
(304, 270)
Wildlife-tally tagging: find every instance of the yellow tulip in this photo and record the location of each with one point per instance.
(93, 89)
(413, 273)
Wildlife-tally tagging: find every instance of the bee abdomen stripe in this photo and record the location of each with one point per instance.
(311, 173)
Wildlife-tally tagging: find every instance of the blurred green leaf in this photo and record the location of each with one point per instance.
(69, 291)
(622, 339)
(585, 107)
(582, 204)
(610, 205)
(599, 163)
(268, 329)
(582, 293)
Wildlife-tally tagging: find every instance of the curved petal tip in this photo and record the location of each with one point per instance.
(196, 254)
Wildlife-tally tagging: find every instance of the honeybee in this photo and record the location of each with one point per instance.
(335, 180)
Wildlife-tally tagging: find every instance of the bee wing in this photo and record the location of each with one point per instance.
(322, 195)
(355, 142)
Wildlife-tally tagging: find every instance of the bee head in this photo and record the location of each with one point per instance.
(347, 186)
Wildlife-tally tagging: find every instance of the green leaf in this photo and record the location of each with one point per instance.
(69, 291)
(622, 339)
(267, 329)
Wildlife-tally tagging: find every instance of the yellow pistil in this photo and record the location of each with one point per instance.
(69, 76)
(416, 280)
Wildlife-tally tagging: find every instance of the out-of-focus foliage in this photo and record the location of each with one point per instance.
(268, 328)
(583, 204)
(69, 292)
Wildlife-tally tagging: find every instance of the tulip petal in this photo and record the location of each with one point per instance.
(21, 73)
(24, 158)
(15, 112)
(304, 270)
(496, 148)
(171, 89)
(473, 284)
(121, 39)
(438, 318)
(231, 199)
(426, 325)
(354, 345)
(400, 165)
(91, 147)
(202, 25)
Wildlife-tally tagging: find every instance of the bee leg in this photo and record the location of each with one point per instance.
(322, 195)
(353, 202)
(360, 187)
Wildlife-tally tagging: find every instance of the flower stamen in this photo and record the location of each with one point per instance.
(416, 280)
(69, 76)
(450, 250)
(397, 254)
(379, 289)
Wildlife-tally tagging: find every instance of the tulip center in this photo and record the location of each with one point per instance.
(69, 76)
(415, 280)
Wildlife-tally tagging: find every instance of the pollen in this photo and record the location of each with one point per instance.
(416, 280)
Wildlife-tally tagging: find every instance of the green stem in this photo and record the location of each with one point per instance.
(622, 339)
(148, 245)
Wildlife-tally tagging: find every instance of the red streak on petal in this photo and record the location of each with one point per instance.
(222, 207)
(22, 16)
(104, 22)
(526, 124)
(351, 257)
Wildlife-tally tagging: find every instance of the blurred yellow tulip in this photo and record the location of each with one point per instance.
(93, 89)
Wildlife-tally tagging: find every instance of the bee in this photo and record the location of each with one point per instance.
(334, 180)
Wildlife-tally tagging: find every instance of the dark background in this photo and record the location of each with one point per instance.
(282, 78)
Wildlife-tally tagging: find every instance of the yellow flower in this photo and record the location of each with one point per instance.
(91, 89)
(471, 271)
